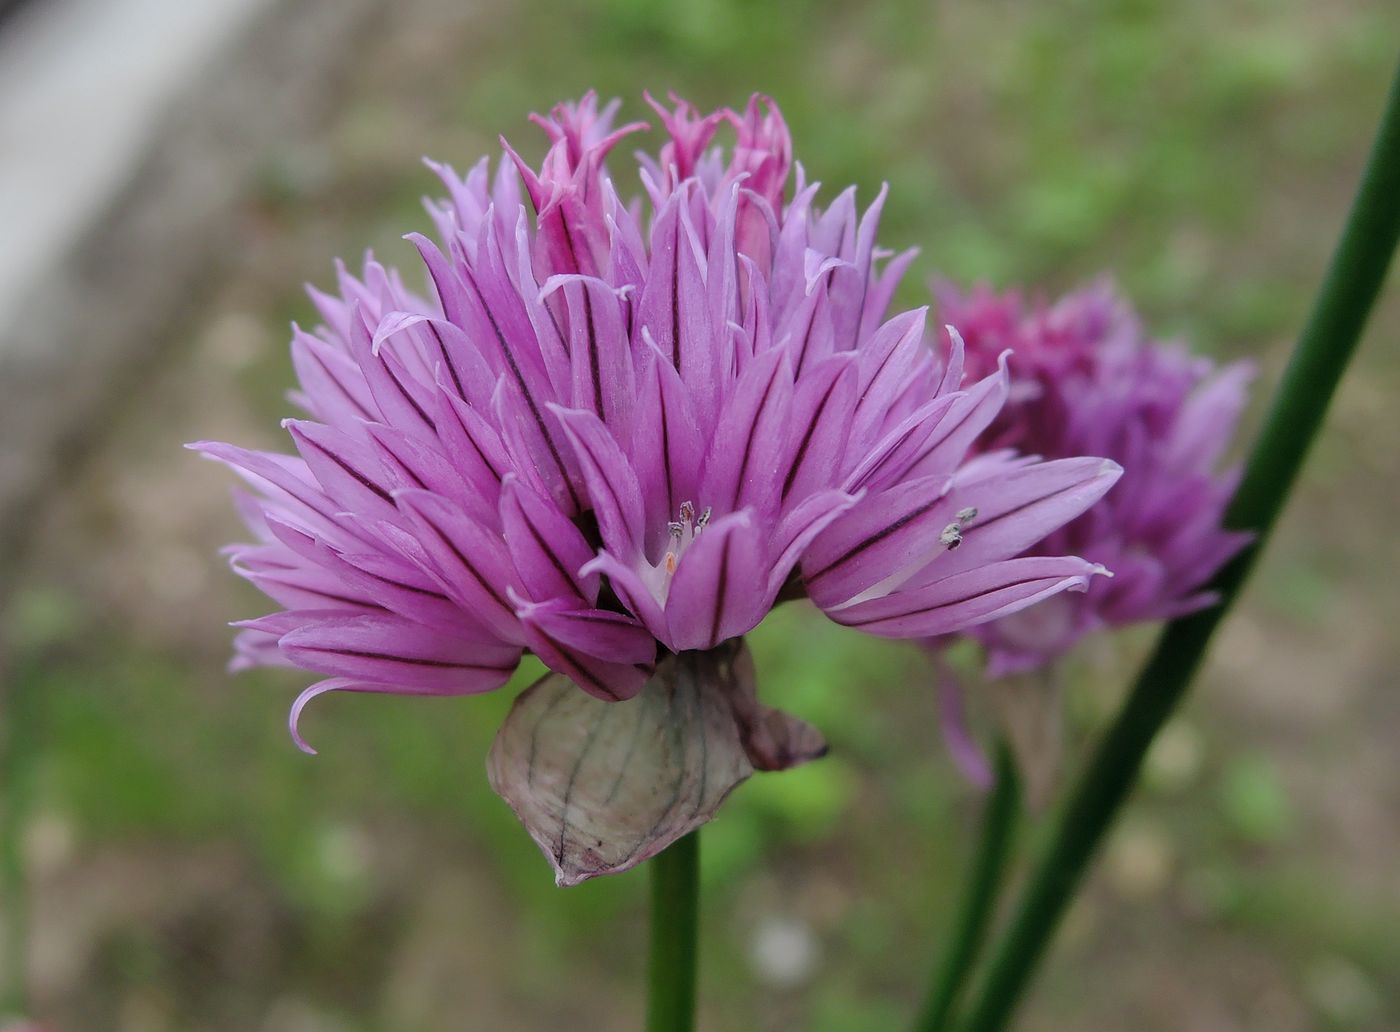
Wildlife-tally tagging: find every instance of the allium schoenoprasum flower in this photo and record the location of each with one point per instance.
(1086, 377)
(614, 432)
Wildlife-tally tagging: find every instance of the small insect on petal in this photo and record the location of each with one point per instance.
(951, 536)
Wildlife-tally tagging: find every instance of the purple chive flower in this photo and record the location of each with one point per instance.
(614, 432)
(1087, 378)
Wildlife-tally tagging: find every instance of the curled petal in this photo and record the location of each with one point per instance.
(333, 684)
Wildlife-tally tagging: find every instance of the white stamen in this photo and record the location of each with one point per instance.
(683, 532)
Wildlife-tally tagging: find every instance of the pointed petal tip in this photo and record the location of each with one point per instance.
(216, 451)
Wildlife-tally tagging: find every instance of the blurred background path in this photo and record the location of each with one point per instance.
(129, 128)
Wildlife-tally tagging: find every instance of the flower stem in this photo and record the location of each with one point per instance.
(1348, 292)
(675, 894)
(984, 880)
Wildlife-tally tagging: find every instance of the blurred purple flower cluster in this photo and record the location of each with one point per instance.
(1086, 378)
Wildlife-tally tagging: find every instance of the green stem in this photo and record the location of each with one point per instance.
(1353, 281)
(675, 895)
(17, 753)
(983, 881)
